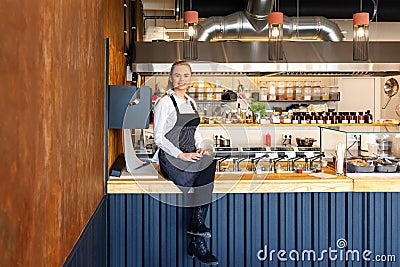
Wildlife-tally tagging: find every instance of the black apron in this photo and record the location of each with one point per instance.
(186, 173)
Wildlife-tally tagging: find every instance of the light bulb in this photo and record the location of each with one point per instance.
(191, 31)
(275, 32)
(360, 31)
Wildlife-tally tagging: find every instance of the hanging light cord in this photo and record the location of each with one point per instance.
(375, 2)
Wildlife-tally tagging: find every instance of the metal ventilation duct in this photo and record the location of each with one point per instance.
(252, 25)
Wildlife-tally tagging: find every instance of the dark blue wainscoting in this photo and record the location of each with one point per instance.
(146, 232)
(91, 248)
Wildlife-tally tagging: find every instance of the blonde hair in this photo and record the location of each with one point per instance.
(177, 63)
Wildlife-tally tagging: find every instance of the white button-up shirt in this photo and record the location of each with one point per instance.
(165, 118)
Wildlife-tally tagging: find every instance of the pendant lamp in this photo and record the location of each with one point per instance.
(190, 42)
(360, 36)
(275, 36)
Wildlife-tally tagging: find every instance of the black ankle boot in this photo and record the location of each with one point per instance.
(198, 248)
(198, 226)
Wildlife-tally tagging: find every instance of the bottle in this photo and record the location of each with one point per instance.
(369, 116)
(320, 118)
(353, 117)
(268, 139)
(239, 111)
(313, 119)
(360, 117)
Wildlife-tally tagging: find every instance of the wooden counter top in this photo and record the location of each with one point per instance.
(236, 183)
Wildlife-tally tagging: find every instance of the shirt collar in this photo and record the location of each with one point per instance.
(172, 92)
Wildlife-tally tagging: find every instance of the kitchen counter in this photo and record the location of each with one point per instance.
(247, 182)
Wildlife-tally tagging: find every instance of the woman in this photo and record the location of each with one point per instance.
(182, 157)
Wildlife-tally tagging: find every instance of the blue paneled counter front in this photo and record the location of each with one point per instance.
(286, 220)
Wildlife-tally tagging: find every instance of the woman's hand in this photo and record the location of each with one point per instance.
(190, 156)
(201, 151)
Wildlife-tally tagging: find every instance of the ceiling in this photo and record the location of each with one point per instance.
(387, 10)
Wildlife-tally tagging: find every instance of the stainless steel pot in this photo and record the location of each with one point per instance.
(384, 146)
(223, 142)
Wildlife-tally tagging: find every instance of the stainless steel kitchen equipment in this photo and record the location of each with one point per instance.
(391, 87)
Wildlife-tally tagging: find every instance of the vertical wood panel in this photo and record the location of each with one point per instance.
(51, 122)
(243, 223)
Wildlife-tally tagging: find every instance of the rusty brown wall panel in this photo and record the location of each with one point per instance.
(51, 122)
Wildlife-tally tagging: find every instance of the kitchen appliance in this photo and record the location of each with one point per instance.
(305, 142)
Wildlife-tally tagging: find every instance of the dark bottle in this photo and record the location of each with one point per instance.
(320, 118)
(353, 117)
(369, 116)
(313, 118)
(345, 117)
(329, 117)
(360, 117)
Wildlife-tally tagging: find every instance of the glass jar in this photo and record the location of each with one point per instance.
(325, 93)
(334, 93)
(289, 92)
(316, 91)
(280, 95)
(285, 118)
(307, 91)
(298, 91)
(275, 118)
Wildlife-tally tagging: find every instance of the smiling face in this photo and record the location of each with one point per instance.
(180, 77)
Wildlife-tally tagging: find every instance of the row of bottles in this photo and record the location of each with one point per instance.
(320, 118)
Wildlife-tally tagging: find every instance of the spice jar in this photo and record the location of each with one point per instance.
(316, 91)
(280, 95)
(298, 91)
(333, 93)
(307, 91)
(325, 93)
(289, 92)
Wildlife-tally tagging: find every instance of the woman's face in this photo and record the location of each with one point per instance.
(180, 77)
